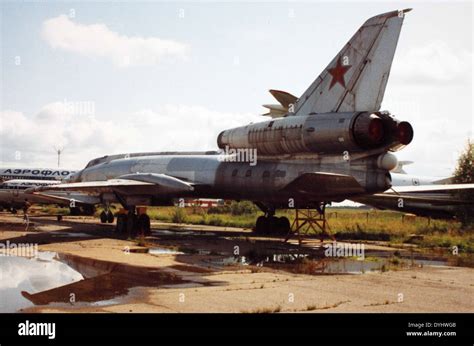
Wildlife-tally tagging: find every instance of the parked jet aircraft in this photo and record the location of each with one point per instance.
(15, 181)
(424, 196)
(13, 197)
(54, 174)
(330, 144)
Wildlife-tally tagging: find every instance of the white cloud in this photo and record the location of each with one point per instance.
(433, 62)
(55, 125)
(97, 40)
(183, 127)
(84, 137)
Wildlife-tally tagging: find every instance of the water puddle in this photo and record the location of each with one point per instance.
(228, 261)
(166, 232)
(157, 251)
(308, 264)
(33, 275)
(72, 235)
(163, 251)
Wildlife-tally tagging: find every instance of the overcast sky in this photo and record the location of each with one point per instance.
(100, 78)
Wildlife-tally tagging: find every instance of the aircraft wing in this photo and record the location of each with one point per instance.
(325, 184)
(433, 188)
(138, 183)
(78, 198)
(432, 194)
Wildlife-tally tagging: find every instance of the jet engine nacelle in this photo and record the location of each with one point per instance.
(320, 133)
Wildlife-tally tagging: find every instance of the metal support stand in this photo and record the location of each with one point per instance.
(307, 220)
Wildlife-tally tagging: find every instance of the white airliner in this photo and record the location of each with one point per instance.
(420, 195)
(14, 181)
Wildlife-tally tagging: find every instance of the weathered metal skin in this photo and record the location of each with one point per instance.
(215, 177)
(333, 137)
(317, 133)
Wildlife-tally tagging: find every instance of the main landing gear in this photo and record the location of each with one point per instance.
(134, 222)
(269, 224)
(306, 221)
(106, 216)
(86, 210)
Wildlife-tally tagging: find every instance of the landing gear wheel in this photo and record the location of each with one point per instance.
(272, 225)
(131, 225)
(13, 210)
(261, 225)
(103, 217)
(144, 224)
(121, 223)
(110, 217)
(283, 225)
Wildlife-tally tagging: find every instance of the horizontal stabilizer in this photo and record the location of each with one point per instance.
(275, 111)
(285, 99)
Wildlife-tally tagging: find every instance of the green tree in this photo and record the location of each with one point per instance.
(464, 174)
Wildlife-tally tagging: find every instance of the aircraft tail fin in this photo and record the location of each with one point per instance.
(355, 80)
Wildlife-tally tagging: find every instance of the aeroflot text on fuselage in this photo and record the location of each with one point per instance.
(36, 172)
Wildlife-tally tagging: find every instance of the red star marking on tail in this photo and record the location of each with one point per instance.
(338, 73)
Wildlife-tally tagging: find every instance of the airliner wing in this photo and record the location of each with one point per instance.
(433, 194)
(433, 188)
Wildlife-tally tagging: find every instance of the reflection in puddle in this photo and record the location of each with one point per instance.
(33, 275)
(167, 232)
(107, 302)
(72, 235)
(157, 251)
(50, 278)
(228, 261)
(104, 283)
(304, 263)
(163, 251)
(162, 232)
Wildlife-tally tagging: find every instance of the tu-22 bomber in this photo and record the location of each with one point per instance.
(330, 144)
